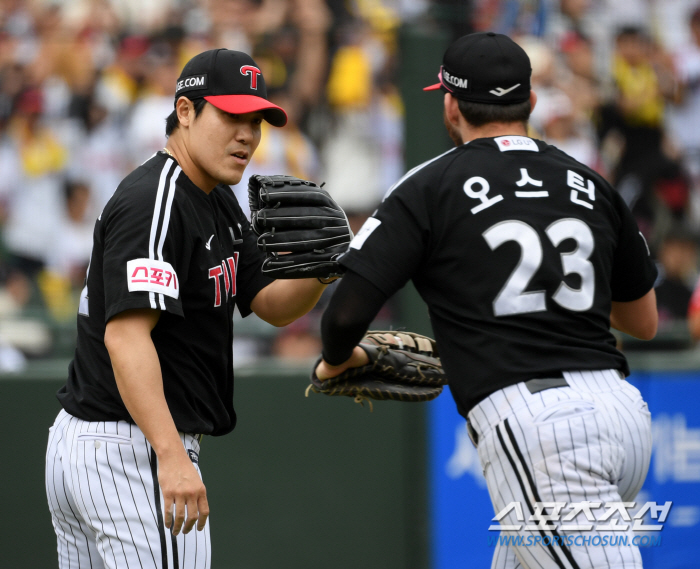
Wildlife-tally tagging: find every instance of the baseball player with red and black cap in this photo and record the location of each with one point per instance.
(153, 372)
(525, 258)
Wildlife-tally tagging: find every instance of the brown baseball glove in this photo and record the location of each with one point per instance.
(403, 366)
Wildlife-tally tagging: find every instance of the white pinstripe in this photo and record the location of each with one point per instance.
(102, 500)
(590, 441)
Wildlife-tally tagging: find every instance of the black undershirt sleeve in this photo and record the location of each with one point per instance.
(350, 311)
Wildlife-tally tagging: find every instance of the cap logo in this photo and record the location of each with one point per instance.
(253, 72)
(454, 80)
(500, 91)
(191, 83)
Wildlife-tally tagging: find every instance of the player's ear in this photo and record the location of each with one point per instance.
(185, 111)
(533, 100)
(452, 109)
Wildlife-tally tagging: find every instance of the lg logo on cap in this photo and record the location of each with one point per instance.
(253, 72)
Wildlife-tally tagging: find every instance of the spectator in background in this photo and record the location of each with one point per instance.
(70, 251)
(119, 82)
(95, 134)
(637, 115)
(566, 96)
(582, 84)
(562, 129)
(145, 129)
(678, 269)
(694, 314)
(683, 118)
(69, 255)
(34, 202)
(362, 152)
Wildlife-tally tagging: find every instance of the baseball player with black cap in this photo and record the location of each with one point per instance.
(153, 371)
(525, 258)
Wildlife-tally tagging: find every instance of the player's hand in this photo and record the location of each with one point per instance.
(358, 359)
(182, 488)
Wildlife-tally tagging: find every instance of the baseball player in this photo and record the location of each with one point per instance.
(153, 370)
(525, 258)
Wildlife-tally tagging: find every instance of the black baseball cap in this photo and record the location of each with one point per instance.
(229, 80)
(485, 67)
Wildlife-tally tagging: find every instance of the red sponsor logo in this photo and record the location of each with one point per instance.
(505, 142)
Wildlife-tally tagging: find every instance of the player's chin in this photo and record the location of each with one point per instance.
(231, 176)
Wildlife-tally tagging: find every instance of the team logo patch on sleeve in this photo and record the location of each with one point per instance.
(152, 276)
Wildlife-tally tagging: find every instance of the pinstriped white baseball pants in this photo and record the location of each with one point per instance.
(590, 441)
(105, 501)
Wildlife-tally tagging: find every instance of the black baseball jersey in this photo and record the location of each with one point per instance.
(163, 243)
(518, 250)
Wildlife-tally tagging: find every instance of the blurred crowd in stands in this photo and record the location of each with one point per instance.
(85, 86)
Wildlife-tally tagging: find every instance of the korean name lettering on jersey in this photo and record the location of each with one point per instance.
(227, 270)
(478, 188)
(578, 186)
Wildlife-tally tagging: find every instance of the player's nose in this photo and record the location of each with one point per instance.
(245, 131)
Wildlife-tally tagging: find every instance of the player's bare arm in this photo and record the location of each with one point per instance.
(283, 301)
(359, 358)
(638, 318)
(138, 375)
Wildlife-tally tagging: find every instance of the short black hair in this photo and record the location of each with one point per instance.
(635, 32)
(70, 187)
(479, 114)
(172, 122)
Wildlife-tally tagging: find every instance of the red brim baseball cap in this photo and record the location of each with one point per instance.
(240, 104)
(438, 85)
(229, 80)
(485, 67)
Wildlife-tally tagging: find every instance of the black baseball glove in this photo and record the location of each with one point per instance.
(301, 230)
(403, 366)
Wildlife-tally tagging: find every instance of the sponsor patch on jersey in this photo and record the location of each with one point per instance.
(506, 143)
(152, 276)
(365, 231)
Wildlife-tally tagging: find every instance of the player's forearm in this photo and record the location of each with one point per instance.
(283, 301)
(137, 372)
(638, 318)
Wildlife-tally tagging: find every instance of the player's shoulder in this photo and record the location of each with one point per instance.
(479, 156)
(138, 193)
(148, 179)
(425, 174)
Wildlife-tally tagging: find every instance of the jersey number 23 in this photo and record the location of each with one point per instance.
(512, 299)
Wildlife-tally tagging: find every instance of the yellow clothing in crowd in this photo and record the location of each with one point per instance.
(639, 87)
